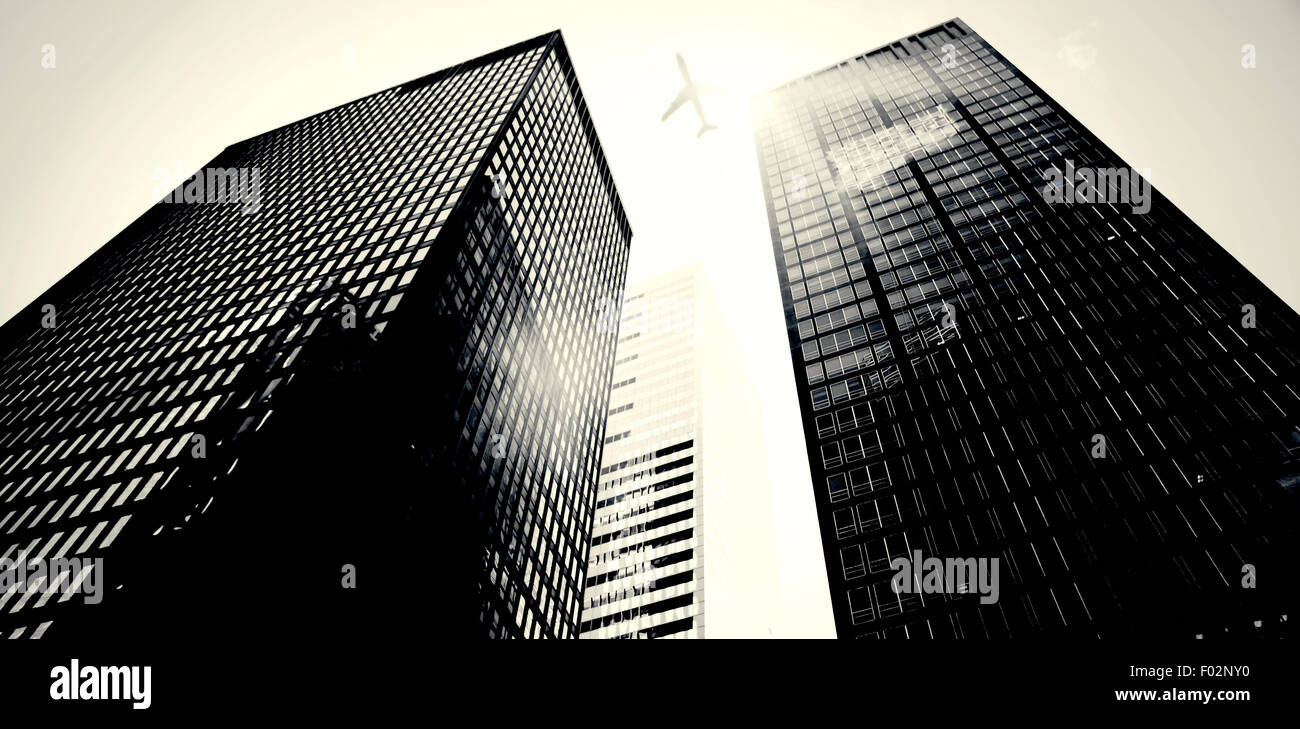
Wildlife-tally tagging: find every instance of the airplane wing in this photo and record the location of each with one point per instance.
(677, 102)
(699, 108)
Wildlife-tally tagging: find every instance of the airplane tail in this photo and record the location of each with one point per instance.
(704, 129)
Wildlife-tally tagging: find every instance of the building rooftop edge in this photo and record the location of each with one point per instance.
(951, 21)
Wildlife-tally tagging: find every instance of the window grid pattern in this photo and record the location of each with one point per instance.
(542, 256)
(1066, 321)
(646, 573)
(187, 323)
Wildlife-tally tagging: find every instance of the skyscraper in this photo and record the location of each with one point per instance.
(684, 497)
(349, 371)
(1013, 355)
(645, 574)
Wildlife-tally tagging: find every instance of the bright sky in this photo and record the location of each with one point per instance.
(142, 85)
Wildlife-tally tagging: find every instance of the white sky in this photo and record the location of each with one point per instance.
(142, 85)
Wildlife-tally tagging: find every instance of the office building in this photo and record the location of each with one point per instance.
(645, 575)
(1012, 353)
(346, 381)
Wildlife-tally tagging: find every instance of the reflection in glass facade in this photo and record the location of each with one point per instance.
(1093, 393)
(392, 366)
(646, 567)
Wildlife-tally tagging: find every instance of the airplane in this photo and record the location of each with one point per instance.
(690, 92)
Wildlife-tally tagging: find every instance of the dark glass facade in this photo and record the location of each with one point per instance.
(963, 345)
(390, 371)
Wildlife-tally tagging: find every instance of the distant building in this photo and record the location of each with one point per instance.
(645, 577)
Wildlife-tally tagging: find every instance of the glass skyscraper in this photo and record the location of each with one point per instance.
(1011, 351)
(362, 392)
(646, 567)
